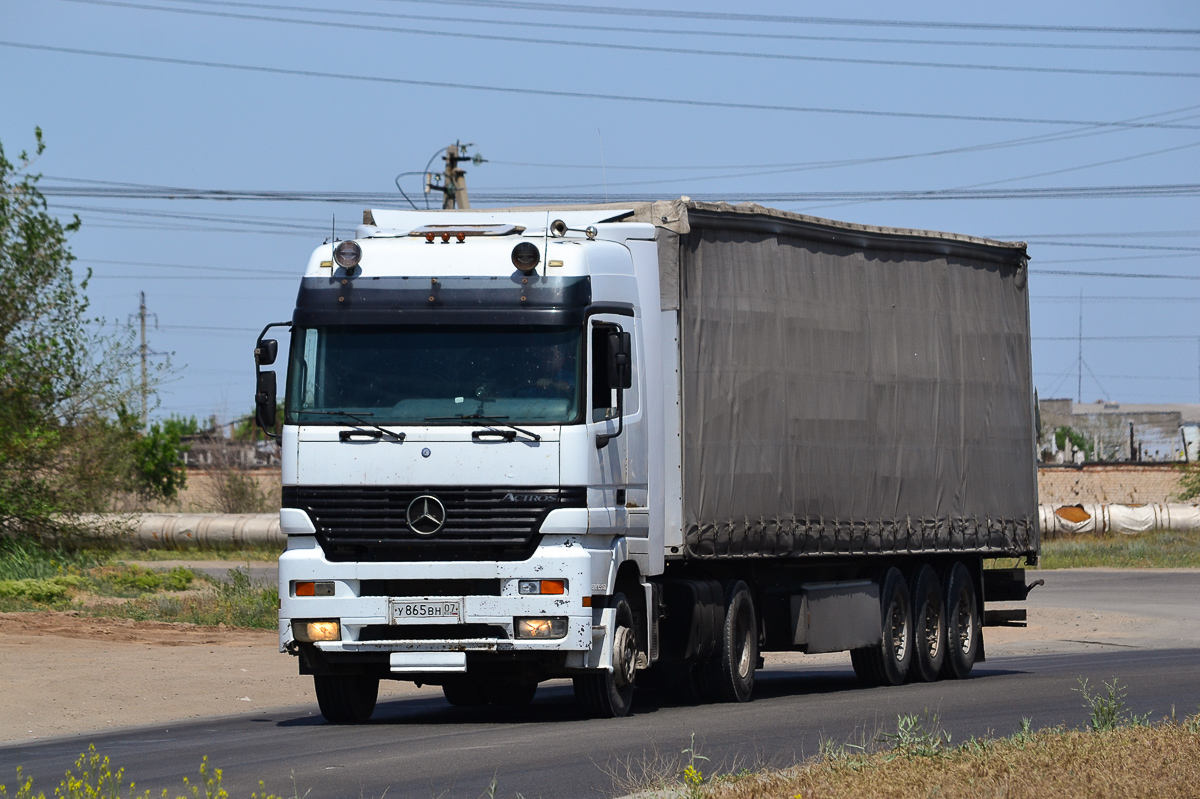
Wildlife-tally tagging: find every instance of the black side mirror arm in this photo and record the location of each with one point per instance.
(602, 439)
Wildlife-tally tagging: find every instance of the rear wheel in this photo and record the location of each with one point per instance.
(963, 633)
(346, 698)
(929, 626)
(887, 662)
(609, 694)
(729, 675)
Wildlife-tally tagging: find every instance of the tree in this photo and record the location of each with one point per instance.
(64, 446)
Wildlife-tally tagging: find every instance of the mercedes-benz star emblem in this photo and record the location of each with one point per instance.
(426, 515)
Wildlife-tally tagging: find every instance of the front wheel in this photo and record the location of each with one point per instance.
(346, 698)
(608, 694)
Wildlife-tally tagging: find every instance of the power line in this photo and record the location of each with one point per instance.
(508, 5)
(156, 265)
(1037, 193)
(1103, 298)
(627, 47)
(1139, 275)
(590, 28)
(1116, 338)
(307, 73)
(1124, 377)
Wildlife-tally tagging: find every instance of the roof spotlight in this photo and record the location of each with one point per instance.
(347, 254)
(525, 256)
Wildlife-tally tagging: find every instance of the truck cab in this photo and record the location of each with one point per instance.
(467, 446)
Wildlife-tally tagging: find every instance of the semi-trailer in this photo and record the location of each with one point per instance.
(639, 444)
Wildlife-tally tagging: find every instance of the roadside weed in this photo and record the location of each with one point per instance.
(693, 777)
(1108, 710)
(916, 736)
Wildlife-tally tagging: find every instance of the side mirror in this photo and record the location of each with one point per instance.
(265, 400)
(266, 352)
(620, 360)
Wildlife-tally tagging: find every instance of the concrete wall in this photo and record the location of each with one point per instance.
(1130, 484)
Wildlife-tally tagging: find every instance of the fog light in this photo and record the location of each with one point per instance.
(306, 632)
(541, 586)
(552, 627)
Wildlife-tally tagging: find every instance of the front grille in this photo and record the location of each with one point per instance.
(368, 523)
(429, 588)
(431, 632)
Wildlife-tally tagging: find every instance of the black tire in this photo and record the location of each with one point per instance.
(964, 634)
(346, 698)
(609, 694)
(929, 626)
(465, 692)
(729, 675)
(887, 662)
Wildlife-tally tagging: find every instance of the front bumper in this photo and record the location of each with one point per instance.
(367, 626)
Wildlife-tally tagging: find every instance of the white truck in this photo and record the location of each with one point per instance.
(637, 445)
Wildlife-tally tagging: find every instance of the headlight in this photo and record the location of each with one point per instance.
(549, 627)
(526, 587)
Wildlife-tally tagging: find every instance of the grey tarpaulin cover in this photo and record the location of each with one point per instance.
(849, 389)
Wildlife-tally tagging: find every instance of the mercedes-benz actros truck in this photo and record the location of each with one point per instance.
(637, 445)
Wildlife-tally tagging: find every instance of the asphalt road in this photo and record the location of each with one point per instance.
(422, 747)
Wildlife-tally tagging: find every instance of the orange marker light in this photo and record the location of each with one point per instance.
(306, 589)
(587, 601)
(554, 587)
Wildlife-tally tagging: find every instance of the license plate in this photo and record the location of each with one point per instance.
(418, 611)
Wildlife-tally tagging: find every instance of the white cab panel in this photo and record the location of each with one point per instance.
(427, 456)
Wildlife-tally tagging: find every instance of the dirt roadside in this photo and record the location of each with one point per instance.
(68, 674)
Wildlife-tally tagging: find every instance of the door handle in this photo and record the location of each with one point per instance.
(350, 435)
(505, 435)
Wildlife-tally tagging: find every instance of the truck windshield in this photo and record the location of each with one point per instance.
(434, 375)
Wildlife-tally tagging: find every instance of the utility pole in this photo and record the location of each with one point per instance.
(144, 352)
(1079, 364)
(454, 180)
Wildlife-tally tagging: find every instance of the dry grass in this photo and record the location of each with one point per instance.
(1129, 762)
(1160, 550)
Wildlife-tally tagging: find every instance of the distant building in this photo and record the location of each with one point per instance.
(1117, 432)
(215, 452)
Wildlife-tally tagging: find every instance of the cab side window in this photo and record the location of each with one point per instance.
(604, 397)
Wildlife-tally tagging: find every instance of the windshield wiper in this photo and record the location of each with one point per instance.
(471, 417)
(358, 417)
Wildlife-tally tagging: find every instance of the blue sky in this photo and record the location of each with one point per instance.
(215, 272)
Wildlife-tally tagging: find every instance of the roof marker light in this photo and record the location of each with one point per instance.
(525, 256)
(348, 254)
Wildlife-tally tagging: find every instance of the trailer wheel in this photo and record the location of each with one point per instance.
(729, 675)
(346, 698)
(887, 662)
(929, 626)
(464, 692)
(608, 694)
(963, 632)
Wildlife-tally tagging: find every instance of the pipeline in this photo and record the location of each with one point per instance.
(1097, 519)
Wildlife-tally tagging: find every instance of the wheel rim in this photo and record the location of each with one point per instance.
(743, 663)
(933, 625)
(966, 623)
(899, 631)
(623, 657)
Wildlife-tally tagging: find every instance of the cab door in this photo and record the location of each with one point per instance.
(616, 433)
